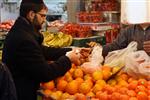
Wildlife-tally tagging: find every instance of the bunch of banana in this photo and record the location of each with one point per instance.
(56, 39)
(0, 55)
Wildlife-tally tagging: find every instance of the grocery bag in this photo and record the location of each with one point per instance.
(117, 58)
(95, 60)
(137, 64)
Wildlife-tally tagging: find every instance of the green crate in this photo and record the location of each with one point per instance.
(82, 42)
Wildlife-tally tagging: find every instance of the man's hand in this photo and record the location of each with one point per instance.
(74, 57)
(146, 46)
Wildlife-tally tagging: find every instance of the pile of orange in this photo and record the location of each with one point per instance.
(77, 85)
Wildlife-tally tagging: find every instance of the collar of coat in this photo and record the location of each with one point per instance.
(24, 24)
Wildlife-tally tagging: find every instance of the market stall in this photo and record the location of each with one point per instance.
(122, 74)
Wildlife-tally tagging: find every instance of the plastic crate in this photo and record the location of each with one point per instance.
(82, 42)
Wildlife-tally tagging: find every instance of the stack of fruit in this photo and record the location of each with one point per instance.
(6, 25)
(57, 39)
(77, 85)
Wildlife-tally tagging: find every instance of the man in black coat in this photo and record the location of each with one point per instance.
(25, 55)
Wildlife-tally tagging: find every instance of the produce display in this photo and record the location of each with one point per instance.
(77, 30)
(56, 39)
(90, 17)
(77, 85)
(104, 5)
(6, 26)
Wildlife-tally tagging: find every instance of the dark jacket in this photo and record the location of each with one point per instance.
(27, 59)
(7, 87)
(131, 33)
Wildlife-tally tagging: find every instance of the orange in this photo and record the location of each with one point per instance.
(48, 85)
(133, 98)
(78, 73)
(47, 92)
(56, 95)
(80, 96)
(97, 75)
(61, 85)
(65, 96)
(79, 80)
(101, 82)
(109, 89)
(90, 94)
(72, 87)
(124, 77)
(123, 90)
(131, 93)
(106, 68)
(84, 88)
(89, 82)
(143, 82)
(132, 85)
(142, 96)
(102, 96)
(140, 88)
(88, 77)
(97, 88)
(71, 71)
(106, 74)
(115, 96)
(112, 82)
(68, 77)
(124, 97)
(123, 83)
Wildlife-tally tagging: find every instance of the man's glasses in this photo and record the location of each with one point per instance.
(42, 15)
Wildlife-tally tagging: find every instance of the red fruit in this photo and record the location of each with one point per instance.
(143, 82)
(124, 97)
(133, 98)
(131, 93)
(132, 85)
(140, 88)
(142, 96)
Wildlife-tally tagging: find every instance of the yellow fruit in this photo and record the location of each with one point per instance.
(78, 73)
(68, 77)
(97, 75)
(106, 74)
(101, 82)
(88, 77)
(84, 88)
(97, 88)
(72, 87)
(48, 85)
(112, 82)
(65, 96)
(61, 85)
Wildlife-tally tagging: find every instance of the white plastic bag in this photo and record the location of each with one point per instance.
(137, 64)
(95, 60)
(117, 58)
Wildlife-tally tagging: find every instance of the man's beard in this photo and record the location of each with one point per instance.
(36, 24)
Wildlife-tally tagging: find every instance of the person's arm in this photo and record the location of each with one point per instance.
(54, 53)
(32, 63)
(120, 42)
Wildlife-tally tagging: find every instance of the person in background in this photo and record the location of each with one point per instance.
(137, 32)
(25, 55)
(64, 16)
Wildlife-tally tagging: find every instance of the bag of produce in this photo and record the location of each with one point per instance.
(137, 64)
(95, 60)
(117, 58)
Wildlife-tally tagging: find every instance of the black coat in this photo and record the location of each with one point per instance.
(27, 59)
(7, 87)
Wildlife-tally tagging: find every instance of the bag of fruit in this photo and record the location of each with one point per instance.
(137, 64)
(117, 58)
(95, 60)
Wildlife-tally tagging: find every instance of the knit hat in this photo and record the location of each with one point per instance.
(32, 1)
